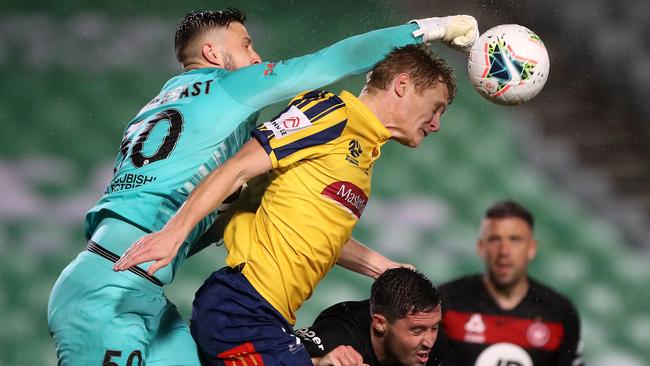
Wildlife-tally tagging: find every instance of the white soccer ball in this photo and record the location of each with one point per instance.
(508, 64)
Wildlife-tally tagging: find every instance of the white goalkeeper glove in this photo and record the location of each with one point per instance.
(458, 31)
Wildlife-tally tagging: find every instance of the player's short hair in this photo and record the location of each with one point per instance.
(399, 292)
(419, 62)
(510, 208)
(198, 21)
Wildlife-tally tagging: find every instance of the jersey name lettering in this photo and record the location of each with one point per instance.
(185, 91)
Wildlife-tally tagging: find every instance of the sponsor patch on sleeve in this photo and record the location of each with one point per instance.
(289, 122)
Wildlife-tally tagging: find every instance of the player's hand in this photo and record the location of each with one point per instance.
(403, 265)
(160, 247)
(341, 356)
(458, 31)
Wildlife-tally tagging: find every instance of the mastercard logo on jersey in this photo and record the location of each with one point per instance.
(348, 195)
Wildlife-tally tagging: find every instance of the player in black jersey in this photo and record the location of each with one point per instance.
(398, 325)
(504, 317)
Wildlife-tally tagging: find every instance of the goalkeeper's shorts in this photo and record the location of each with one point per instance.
(100, 317)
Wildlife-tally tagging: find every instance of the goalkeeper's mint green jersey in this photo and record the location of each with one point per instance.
(202, 117)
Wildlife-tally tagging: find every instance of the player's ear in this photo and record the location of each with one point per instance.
(532, 249)
(401, 83)
(480, 248)
(379, 323)
(211, 54)
(480, 243)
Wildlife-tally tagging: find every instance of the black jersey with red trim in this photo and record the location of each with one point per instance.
(543, 329)
(348, 323)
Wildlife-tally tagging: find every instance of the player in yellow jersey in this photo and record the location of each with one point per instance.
(321, 150)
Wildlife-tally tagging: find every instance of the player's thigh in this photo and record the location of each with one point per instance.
(173, 344)
(97, 318)
(121, 341)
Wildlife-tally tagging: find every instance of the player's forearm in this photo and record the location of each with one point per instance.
(361, 259)
(162, 246)
(248, 199)
(249, 162)
(207, 196)
(351, 56)
(215, 232)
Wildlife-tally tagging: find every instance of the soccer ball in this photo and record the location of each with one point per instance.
(508, 64)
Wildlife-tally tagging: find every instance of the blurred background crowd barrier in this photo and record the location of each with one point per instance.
(73, 74)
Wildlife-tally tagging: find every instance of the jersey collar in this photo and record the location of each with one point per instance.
(379, 131)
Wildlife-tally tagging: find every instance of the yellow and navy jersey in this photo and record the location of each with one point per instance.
(322, 148)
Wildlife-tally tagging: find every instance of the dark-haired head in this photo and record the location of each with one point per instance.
(399, 292)
(506, 245)
(508, 209)
(198, 21)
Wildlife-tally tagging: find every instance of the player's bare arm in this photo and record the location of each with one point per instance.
(359, 258)
(247, 199)
(215, 232)
(161, 247)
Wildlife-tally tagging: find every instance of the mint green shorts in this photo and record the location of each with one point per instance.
(100, 317)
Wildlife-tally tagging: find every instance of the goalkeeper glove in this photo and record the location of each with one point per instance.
(458, 31)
